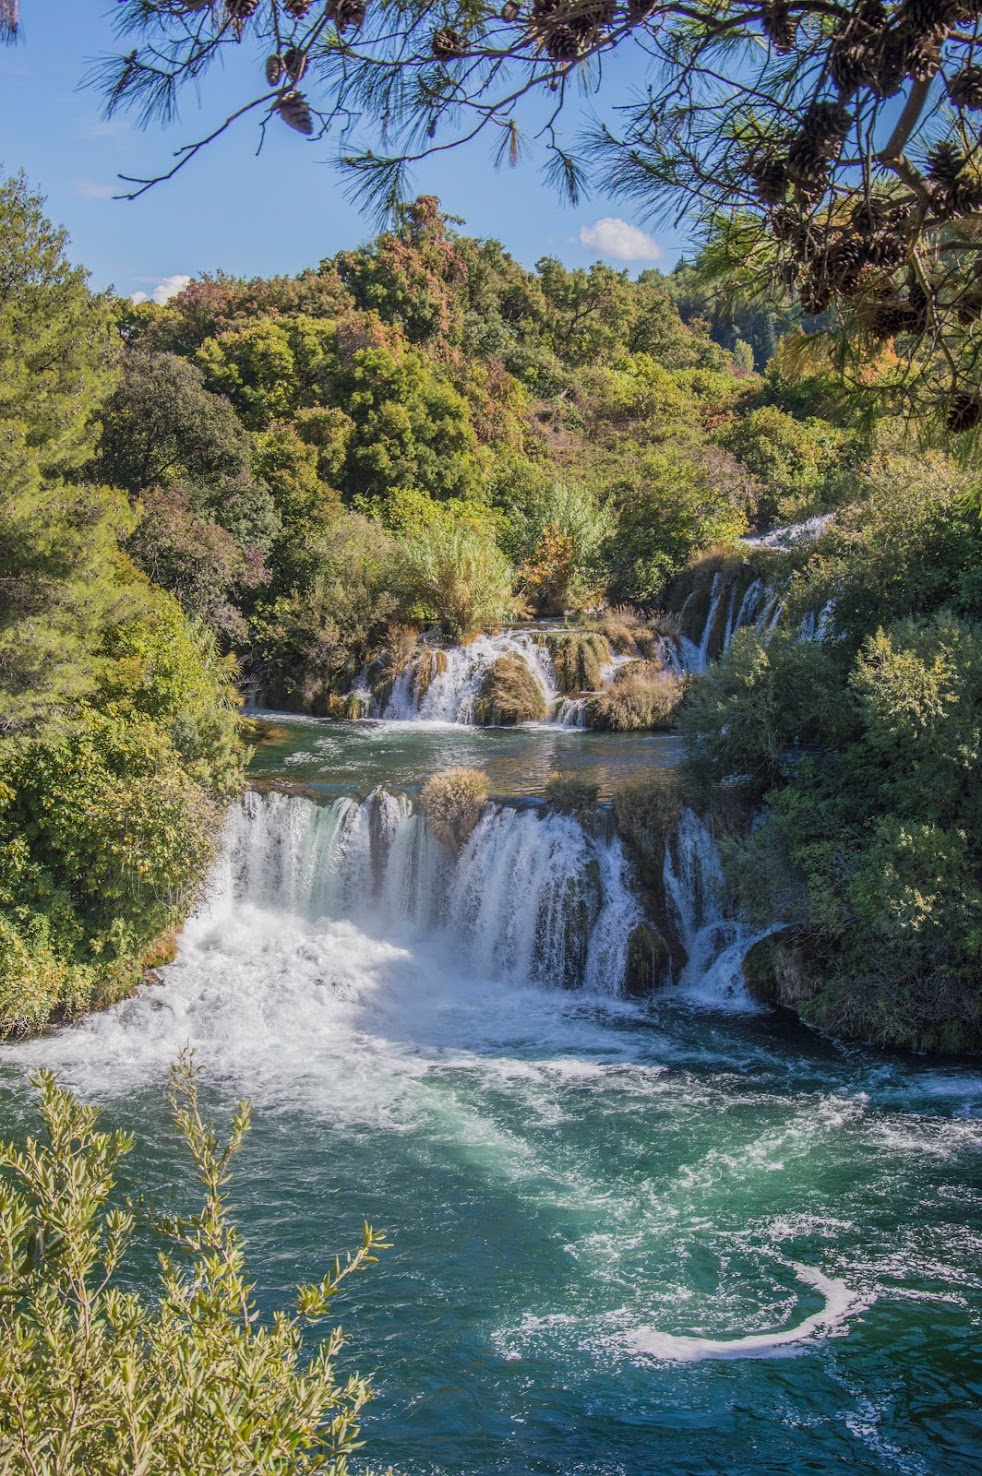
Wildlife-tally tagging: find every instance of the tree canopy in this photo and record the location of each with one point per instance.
(824, 147)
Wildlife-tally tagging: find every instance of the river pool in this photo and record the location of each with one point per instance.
(628, 1238)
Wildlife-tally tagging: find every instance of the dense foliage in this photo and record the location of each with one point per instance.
(97, 1376)
(864, 749)
(117, 725)
(424, 432)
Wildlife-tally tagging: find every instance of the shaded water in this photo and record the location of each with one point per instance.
(628, 1238)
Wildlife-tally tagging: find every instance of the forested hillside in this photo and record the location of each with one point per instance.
(423, 431)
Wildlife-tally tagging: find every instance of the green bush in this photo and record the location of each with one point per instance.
(509, 694)
(641, 697)
(872, 848)
(105, 839)
(452, 803)
(455, 574)
(100, 1377)
(571, 793)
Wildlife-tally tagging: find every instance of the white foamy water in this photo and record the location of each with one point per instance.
(831, 1320)
(451, 695)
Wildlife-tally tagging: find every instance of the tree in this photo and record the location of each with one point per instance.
(829, 147)
(161, 424)
(57, 348)
(98, 1376)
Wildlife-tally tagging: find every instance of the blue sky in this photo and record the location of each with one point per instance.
(248, 216)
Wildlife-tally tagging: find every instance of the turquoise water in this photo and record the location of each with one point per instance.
(337, 758)
(627, 1238)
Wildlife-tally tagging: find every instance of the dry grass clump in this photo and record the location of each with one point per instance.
(577, 657)
(429, 665)
(571, 793)
(452, 804)
(641, 697)
(509, 694)
(624, 629)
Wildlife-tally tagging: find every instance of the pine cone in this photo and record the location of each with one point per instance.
(297, 8)
(292, 108)
(345, 13)
(814, 296)
(563, 43)
(945, 163)
(448, 45)
(891, 65)
(240, 11)
(871, 215)
(844, 262)
(639, 10)
(887, 250)
(770, 177)
(780, 26)
(965, 88)
(511, 11)
(852, 64)
(892, 319)
(827, 123)
(924, 16)
(964, 412)
(295, 63)
(785, 223)
(274, 69)
(923, 58)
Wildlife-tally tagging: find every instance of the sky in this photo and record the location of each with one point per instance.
(251, 216)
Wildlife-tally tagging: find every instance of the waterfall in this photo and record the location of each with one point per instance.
(450, 695)
(534, 895)
(715, 946)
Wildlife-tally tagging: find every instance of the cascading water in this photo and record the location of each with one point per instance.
(715, 945)
(451, 694)
(533, 895)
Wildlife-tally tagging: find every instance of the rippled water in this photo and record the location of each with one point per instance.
(628, 1238)
(571, 1183)
(335, 758)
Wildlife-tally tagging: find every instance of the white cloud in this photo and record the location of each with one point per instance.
(619, 239)
(90, 189)
(163, 292)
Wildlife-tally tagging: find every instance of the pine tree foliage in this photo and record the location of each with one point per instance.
(98, 1376)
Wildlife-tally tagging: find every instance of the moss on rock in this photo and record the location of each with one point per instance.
(641, 698)
(649, 960)
(577, 657)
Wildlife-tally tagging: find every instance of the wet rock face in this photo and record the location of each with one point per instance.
(780, 971)
(649, 961)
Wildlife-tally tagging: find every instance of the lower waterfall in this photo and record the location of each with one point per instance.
(533, 896)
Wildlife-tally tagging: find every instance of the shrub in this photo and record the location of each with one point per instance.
(578, 658)
(640, 697)
(452, 803)
(455, 573)
(105, 838)
(571, 793)
(509, 694)
(98, 1376)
